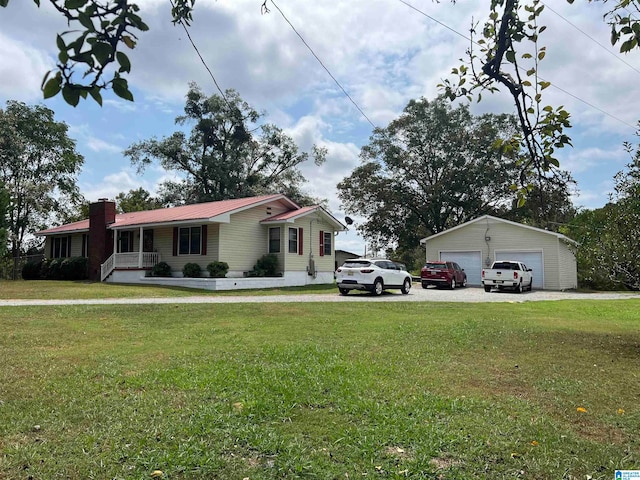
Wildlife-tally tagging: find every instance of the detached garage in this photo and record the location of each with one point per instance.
(477, 244)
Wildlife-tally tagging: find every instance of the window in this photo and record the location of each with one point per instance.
(274, 240)
(61, 247)
(326, 246)
(293, 240)
(189, 241)
(126, 242)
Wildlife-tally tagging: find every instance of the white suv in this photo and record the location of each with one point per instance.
(372, 274)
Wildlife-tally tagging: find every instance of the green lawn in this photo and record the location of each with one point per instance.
(52, 289)
(378, 390)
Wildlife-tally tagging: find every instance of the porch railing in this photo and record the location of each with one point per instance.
(128, 260)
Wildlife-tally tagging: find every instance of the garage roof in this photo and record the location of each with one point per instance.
(490, 217)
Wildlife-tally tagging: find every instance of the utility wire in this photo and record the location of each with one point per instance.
(323, 65)
(593, 39)
(186, 30)
(553, 85)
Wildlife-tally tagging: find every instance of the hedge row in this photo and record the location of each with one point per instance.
(72, 268)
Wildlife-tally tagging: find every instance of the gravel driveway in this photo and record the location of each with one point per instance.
(417, 294)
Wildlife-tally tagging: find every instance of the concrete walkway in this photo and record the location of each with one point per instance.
(462, 295)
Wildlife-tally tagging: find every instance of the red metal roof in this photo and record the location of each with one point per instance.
(200, 211)
(82, 225)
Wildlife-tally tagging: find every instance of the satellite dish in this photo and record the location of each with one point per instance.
(349, 220)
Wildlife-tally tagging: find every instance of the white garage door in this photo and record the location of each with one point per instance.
(532, 260)
(470, 261)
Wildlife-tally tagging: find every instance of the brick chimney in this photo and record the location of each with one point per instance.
(101, 214)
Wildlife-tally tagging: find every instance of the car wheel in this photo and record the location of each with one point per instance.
(378, 287)
(464, 282)
(425, 285)
(406, 286)
(531, 284)
(520, 289)
(344, 291)
(452, 286)
(487, 288)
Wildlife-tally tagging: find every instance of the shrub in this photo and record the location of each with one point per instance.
(31, 270)
(218, 269)
(191, 270)
(51, 269)
(266, 266)
(161, 269)
(74, 268)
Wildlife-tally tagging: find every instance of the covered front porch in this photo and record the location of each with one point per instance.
(143, 259)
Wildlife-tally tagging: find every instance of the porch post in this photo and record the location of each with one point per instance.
(115, 246)
(140, 249)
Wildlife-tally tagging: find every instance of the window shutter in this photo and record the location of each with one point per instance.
(175, 241)
(69, 246)
(84, 245)
(321, 243)
(300, 242)
(53, 240)
(203, 237)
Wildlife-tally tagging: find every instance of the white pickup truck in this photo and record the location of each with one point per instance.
(507, 274)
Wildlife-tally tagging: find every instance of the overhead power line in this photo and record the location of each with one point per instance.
(553, 85)
(606, 49)
(323, 65)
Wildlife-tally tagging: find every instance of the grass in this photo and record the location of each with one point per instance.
(260, 391)
(52, 289)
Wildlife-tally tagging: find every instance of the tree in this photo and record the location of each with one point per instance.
(4, 211)
(38, 166)
(507, 55)
(609, 251)
(227, 155)
(548, 203)
(432, 168)
(98, 33)
(137, 201)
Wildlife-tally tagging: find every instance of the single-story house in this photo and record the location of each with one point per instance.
(123, 247)
(476, 244)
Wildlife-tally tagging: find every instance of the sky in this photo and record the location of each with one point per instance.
(382, 52)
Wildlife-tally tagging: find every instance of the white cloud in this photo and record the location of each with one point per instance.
(21, 70)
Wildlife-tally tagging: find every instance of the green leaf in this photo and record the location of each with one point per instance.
(511, 56)
(4, 3)
(86, 22)
(74, 3)
(71, 95)
(121, 89)
(60, 43)
(95, 94)
(541, 54)
(123, 60)
(102, 51)
(51, 88)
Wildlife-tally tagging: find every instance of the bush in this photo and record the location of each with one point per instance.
(218, 269)
(266, 266)
(74, 268)
(161, 269)
(191, 270)
(31, 270)
(51, 269)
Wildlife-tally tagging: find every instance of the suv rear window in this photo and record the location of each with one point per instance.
(436, 265)
(356, 264)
